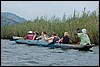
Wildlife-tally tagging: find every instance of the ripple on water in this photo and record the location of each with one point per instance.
(13, 54)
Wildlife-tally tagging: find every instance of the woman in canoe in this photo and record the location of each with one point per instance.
(43, 36)
(53, 38)
(84, 38)
(65, 39)
(29, 36)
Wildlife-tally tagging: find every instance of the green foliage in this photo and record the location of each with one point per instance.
(90, 21)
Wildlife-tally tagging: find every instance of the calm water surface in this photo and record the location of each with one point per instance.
(13, 54)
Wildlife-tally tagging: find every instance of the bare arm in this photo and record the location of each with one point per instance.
(60, 40)
(49, 38)
(34, 37)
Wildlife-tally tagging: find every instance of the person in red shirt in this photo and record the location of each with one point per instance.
(29, 36)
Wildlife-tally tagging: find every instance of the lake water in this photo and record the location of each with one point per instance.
(13, 54)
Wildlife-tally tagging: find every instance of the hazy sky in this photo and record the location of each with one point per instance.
(31, 9)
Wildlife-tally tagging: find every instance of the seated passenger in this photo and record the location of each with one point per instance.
(84, 38)
(29, 36)
(42, 37)
(65, 39)
(53, 38)
(35, 35)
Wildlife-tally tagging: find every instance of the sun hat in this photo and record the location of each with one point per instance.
(83, 30)
(30, 32)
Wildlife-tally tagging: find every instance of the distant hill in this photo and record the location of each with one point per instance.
(10, 18)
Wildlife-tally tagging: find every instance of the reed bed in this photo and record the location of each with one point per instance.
(90, 21)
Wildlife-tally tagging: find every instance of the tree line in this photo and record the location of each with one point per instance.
(87, 20)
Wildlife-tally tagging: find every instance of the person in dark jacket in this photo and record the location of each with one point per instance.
(65, 39)
(53, 38)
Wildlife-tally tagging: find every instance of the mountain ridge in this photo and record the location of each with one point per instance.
(8, 18)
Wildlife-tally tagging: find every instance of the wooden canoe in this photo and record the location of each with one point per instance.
(56, 45)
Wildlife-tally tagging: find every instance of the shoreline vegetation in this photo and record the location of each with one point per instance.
(87, 20)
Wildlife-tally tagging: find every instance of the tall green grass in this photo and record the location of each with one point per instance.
(87, 20)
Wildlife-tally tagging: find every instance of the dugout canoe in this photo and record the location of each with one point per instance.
(56, 45)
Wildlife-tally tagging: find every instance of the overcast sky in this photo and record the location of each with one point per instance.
(31, 9)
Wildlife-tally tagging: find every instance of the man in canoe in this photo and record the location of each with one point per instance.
(78, 40)
(84, 38)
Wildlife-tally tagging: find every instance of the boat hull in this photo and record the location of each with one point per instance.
(75, 46)
(56, 45)
(21, 41)
(13, 38)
